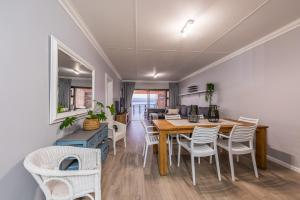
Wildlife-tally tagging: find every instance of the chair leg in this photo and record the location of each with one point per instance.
(231, 165)
(237, 158)
(145, 156)
(199, 160)
(114, 144)
(170, 154)
(178, 159)
(218, 165)
(193, 169)
(210, 159)
(144, 149)
(125, 142)
(171, 145)
(254, 164)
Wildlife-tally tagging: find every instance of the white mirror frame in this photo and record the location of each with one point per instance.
(55, 46)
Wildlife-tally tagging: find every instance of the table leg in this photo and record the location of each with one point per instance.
(162, 157)
(261, 148)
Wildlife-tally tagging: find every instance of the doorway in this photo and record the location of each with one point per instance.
(109, 89)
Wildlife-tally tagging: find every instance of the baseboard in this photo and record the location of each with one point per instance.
(284, 164)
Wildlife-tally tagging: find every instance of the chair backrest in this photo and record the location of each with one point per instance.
(203, 135)
(147, 127)
(249, 120)
(171, 117)
(242, 133)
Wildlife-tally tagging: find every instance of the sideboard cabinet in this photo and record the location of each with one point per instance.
(87, 139)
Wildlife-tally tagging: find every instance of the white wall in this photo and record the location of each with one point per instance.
(262, 83)
(154, 85)
(24, 85)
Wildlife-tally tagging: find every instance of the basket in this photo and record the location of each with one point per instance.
(91, 124)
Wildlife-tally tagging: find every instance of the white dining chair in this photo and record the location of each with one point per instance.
(199, 145)
(248, 120)
(172, 137)
(235, 144)
(151, 138)
(116, 132)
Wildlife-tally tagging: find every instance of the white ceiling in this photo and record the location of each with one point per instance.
(67, 65)
(143, 36)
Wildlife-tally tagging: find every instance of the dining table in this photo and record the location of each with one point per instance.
(183, 126)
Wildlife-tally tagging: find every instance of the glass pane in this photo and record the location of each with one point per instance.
(158, 98)
(83, 98)
(139, 104)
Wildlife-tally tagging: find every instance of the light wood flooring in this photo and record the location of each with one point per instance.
(123, 177)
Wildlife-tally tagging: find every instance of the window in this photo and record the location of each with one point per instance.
(81, 98)
(150, 98)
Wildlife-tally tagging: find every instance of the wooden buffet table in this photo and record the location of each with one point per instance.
(166, 127)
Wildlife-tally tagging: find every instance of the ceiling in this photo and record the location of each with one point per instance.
(69, 68)
(142, 37)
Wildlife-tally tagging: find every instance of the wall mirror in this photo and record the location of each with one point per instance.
(71, 83)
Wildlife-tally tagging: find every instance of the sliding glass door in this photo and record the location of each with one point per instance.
(143, 99)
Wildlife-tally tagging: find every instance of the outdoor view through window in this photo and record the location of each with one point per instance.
(143, 99)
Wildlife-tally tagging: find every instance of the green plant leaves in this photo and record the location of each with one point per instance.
(68, 121)
(112, 109)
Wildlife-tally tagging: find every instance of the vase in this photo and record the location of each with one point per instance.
(213, 113)
(91, 124)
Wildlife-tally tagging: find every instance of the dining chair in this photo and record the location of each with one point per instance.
(235, 144)
(172, 137)
(199, 145)
(151, 138)
(248, 120)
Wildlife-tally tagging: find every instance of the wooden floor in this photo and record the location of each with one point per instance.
(123, 177)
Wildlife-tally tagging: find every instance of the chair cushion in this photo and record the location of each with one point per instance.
(183, 110)
(172, 111)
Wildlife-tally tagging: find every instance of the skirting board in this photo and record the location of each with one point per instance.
(284, 164)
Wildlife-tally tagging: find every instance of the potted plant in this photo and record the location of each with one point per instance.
(94, 117)
(213, 112)
(210, 88)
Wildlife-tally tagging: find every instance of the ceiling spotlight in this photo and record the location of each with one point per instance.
(187, 27)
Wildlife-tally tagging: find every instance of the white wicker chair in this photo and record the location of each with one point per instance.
(116, 135)
(203, 143)
(57, 184)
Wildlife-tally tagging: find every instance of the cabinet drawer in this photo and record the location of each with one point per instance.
(104, 150)
(93, 141)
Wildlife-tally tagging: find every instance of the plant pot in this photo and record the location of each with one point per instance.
(91, 124)
(213, 113)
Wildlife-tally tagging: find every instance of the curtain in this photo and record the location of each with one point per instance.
(174, 95)
(128, 89)
(64, 87)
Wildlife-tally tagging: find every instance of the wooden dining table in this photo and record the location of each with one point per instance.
(183, 126)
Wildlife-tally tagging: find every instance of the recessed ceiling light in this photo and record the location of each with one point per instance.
(187, 27)
(155, 75)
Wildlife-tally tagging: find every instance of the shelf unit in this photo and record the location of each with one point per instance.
(192, 93)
